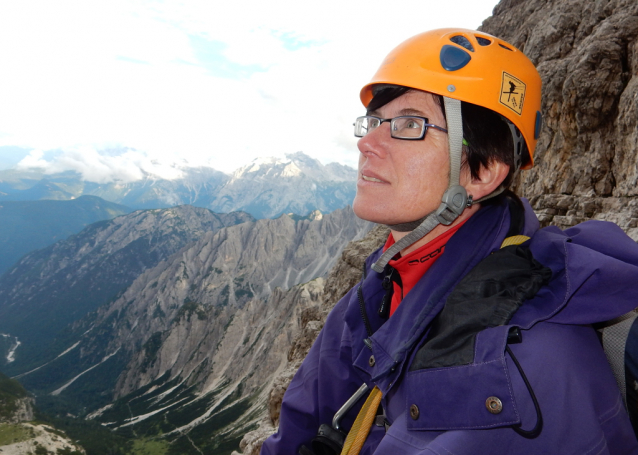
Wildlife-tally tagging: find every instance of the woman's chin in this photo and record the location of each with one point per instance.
(373, 213)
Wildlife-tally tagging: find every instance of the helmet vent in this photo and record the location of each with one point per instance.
(453, 58)
(483, 41)
(505, 47)
(462, 41)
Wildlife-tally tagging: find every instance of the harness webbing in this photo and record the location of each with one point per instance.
(514, 240)
(362, 424)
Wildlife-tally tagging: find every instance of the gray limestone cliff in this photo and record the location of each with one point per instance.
(19, 434)
(587, 55)
(15, 403)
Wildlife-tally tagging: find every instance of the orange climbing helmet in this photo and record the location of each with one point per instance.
(470, 66)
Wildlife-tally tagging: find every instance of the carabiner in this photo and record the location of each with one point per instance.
(348, 405)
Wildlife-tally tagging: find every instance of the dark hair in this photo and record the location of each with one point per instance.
(486, 132)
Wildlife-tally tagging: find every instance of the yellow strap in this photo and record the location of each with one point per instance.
(362, 424)
(514, 240)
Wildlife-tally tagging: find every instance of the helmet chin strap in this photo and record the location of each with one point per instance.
(454, 200)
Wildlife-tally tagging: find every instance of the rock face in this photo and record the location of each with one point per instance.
(23, 411)
(587, 55)
(15, 403)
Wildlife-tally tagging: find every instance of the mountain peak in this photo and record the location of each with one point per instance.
(296, 164)
(315, 215)
(259, 166)
(292, 165)
(291, 170)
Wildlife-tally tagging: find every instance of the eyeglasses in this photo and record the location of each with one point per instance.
(406, 127)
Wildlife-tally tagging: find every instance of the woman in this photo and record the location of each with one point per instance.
(468, 345)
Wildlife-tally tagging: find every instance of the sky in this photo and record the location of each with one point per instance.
(114, 89)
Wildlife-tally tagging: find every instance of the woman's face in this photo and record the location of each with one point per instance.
(401, 181)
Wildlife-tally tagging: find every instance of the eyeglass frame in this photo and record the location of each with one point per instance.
(426, 125)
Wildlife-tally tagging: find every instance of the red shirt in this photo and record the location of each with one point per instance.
(414, 265)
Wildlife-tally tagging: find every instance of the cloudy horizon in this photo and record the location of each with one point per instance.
(115, 89)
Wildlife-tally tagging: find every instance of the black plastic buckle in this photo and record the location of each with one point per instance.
(328, 441)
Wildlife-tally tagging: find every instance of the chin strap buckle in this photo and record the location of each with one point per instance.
(454, 201)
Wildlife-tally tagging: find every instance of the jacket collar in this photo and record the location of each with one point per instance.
(394, 339)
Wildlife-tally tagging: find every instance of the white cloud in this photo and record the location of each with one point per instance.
(127, 166)
(209, 82)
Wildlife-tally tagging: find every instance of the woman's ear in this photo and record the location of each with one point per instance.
(490, 178)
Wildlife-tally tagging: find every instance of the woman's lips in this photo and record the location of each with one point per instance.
(371, 177)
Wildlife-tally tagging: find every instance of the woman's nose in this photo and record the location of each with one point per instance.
(376, 142)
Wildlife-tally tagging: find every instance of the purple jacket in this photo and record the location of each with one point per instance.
(594, 273)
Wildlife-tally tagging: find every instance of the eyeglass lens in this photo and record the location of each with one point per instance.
(365, 125)
(407, 127)
(400, 127)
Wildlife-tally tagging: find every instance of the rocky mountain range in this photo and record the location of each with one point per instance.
(53, 287)
(265, 188)
(165, 321)
(300, 184)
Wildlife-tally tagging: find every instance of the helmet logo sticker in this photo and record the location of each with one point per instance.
(512, 93)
